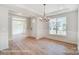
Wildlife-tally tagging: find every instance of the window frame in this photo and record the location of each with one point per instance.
(19, 21)
(56, 26)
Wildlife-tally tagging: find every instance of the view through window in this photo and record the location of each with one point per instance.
(57, 26)
(18, 25)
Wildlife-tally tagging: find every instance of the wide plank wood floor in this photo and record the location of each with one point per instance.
(32, 46)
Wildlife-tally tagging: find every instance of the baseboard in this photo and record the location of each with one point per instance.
(31, 37)
(59, 41)
(51, 39)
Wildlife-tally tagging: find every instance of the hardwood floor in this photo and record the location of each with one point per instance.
(32, 46)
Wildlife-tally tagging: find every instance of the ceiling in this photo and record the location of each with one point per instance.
(37, 9)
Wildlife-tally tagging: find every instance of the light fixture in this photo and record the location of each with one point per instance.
(44, 18)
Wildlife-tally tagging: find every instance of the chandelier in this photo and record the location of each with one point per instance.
(44, 18)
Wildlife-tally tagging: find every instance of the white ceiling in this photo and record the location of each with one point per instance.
(49, 7)
(37, 9)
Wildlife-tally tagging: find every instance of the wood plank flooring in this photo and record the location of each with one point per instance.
(32, 46)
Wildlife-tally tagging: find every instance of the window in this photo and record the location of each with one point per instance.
(18, 25)
(57, 26)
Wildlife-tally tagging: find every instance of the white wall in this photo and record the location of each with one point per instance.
(29, 31)
(43, 28)
(72, 19)
(3, 28)
(34, 27)
(78, 30)
(72, 27)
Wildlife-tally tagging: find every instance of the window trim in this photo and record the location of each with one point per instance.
(56, 27)
(19, 21)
